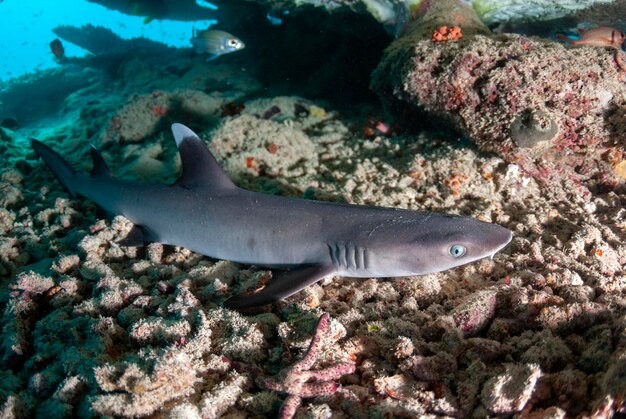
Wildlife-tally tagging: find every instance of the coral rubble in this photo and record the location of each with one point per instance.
(93, 328)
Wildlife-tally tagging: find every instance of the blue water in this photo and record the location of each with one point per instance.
(26, 31)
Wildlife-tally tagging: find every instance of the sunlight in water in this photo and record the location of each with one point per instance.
(24, 43)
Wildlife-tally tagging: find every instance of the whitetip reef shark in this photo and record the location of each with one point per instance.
(303, 240)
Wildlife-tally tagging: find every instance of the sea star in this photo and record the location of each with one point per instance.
(295, 381)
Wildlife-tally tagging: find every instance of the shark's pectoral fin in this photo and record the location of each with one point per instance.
(282, 285)
(135, 238)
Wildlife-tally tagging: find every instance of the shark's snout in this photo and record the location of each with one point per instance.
(499, 238)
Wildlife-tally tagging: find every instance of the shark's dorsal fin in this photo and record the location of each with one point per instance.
(100, 167)
(200, 169)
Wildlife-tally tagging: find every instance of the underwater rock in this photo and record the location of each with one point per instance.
(532, 128)
(493, 11)
(41, 94)
(102, 41)
(10, 183)
(433, 15)
(489, 86)
(143, 115)
(10, 123)
(255, 146)
(394, 14)
(139, 119)
(186, 10)
(610, 13)
(130, 391)
(110, 52)
(4, 136)
(509, 392)
(95, 39)
(474, 313)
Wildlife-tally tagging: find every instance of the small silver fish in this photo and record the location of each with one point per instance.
(215, 43)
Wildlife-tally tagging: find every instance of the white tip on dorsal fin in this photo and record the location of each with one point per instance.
(181, 132)
(200, 169)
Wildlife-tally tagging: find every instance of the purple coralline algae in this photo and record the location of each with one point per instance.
(555, 111)
(474, 314)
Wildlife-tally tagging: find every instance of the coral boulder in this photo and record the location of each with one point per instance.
(555, 111)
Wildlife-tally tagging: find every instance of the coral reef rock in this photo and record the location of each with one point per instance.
(506, 10)
(555, 111)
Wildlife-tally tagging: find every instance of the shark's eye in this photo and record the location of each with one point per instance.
(457, 250)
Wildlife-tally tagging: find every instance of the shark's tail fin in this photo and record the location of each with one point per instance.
(65, 174)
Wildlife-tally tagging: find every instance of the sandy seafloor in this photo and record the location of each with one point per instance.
(90, 328)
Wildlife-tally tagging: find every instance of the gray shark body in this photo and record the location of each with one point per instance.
(304, 240)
